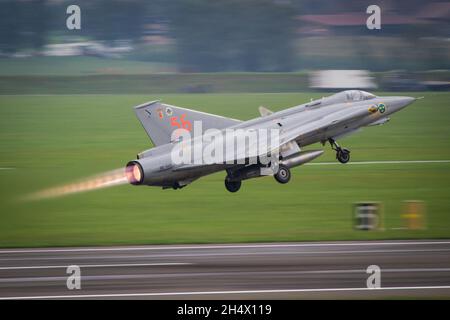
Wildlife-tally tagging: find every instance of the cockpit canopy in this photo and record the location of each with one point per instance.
(358, 95)
(352, 96)
(342, 97)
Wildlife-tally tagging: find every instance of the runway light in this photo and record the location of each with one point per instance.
(103, 180)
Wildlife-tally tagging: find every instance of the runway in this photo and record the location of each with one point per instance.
(313, 270)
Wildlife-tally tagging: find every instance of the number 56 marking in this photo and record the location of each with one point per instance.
(181, 123)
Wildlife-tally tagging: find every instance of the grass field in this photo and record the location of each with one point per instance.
(89, 75)
(155, 83)
(78, 66)
(51, 140)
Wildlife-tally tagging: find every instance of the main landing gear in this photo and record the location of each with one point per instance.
(233, 181)
(232, 185)
(342, 155)
(283, 175)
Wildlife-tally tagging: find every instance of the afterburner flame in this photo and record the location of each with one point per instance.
(133, 173)
(103, 180)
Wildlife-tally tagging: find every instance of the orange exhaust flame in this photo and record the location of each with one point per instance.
(103, 180)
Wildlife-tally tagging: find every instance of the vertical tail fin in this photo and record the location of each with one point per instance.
(160, 120)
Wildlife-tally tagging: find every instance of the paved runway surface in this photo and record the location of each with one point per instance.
(241, 271)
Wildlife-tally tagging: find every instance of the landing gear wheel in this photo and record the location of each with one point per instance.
(343, 155)
(232, 186)
(283, 175)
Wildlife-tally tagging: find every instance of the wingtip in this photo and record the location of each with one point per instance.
(263, 111)
(146, 104)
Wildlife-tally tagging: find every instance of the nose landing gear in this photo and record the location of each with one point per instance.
(342, 155)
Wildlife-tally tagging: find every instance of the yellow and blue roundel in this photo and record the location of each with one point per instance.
(373, 108)
(381, 107)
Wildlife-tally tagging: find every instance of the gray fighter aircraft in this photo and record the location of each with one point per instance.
(323, 120)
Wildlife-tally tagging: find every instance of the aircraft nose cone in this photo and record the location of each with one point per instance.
(399, 103)
(407, 100)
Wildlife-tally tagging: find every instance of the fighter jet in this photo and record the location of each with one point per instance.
(324, 120)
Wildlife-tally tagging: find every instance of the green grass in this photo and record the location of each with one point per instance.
(90, 75)
(78, 66)
(51, 140)
(154, 83)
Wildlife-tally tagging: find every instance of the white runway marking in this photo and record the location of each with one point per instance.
(377, 162)
(194, 293)
(356, 162)
(218, 274)
(235, 254)
(100, 265)
(230, 246)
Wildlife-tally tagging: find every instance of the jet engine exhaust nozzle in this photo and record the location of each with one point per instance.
(134, 173)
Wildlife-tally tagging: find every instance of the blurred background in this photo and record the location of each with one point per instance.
(66, 99)
(126, 38)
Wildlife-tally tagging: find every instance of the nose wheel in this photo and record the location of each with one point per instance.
(342, 155)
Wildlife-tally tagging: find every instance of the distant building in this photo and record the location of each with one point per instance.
(341, 79)
(351, 23)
